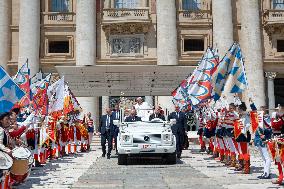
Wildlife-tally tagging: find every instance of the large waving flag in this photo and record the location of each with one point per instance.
(231, 71)
(201, 81)
(68, 106)
(40, 98)
(10, 92)
(56, 96)
(179, 98)
(22, 78)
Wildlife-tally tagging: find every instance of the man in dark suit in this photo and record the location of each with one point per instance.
(178, 129)
(106, 129)
(116, 116)
(133, 117)
(157, 114)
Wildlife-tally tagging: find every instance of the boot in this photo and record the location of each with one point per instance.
(228, 161)
(280, 177)
(233, 160)
(203, 149)
(240, 165)
(246, 167)
(222, 157)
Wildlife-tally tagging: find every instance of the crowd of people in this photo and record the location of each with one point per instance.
(227, 131)
(29, 140)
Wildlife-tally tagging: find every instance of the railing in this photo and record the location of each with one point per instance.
(125, 15)
(59, 18)
(273, 16)
(195, 16)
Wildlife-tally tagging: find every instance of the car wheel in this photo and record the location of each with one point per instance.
(171, 158)
(122, 159)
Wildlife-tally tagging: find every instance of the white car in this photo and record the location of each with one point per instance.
(153, 138)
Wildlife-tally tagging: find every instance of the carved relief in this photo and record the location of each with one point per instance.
(125, 29)
(270, 75)
(126, 45)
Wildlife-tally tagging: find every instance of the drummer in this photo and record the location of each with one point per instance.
(4, 136)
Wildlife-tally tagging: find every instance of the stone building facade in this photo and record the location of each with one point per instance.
(145, 32)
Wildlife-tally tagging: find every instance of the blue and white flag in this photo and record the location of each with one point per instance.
(10, 92)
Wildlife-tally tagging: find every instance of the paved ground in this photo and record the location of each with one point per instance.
(194, 170)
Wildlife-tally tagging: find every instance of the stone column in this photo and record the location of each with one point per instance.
(149, 100)
(270, 88)
(90, 104)
(222, 25)
(86, 32)
(4, 33)
(144, 3)
(29, 34)
(86, 47)
(107, 4)
(105, 104)
(167, 53)
(112, 3)
(252, 49)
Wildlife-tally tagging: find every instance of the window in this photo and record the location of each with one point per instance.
(58, 47)
(192, 5)
(278, 4)
(60, 6)
(193, 45)
(280, 45)
(126, 4)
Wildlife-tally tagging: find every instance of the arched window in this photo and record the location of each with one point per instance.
(278, 4)
(191, 4)
(60, 6)
(126, 4)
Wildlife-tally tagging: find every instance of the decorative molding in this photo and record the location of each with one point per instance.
(271, 75)
(126, 29)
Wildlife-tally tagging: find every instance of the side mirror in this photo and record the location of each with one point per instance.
(173, 121)
(116, 122)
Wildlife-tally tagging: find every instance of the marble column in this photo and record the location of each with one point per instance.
(5, 11)
(223, 34)
(107, 4)
(29, 34)
(86, 47)
(86, 32)
(112, 3)
(105, 104)
(149, 100)
(167, 53)
(90, 104)
(270, 88)
(144, 3)
(252, 50)
(222, 25)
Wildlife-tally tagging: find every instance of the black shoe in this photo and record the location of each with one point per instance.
(104, 155)
(38, 164)
(108, 156)
(116, 153)
(178, 155)
(264, 176)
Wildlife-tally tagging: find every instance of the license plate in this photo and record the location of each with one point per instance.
(147, 146)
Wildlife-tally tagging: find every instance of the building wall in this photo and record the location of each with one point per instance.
(190, 25)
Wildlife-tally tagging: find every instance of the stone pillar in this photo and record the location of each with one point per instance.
(144, 3)
(112, 3)
(222, 25)
(86, 47)
(107, 4)
(29, 34)
(5, 33)
(90, 104)
(166, 103)
(270, 89)
(105, 104)
(252, 50)
(86, 32)
(149, 100)
(167, 53)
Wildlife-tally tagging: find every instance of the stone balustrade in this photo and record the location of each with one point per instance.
(53, 18)
(273, 16)
(125, 15)
(186, 16)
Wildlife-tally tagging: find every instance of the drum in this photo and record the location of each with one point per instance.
(22, 164)
(6, 163)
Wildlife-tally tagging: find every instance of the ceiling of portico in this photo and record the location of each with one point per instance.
(126, 80)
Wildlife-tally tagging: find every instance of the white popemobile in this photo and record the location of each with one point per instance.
(151, 138)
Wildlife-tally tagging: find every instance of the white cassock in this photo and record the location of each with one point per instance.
(143, 111)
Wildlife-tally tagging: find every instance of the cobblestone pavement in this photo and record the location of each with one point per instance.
(194, 170)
